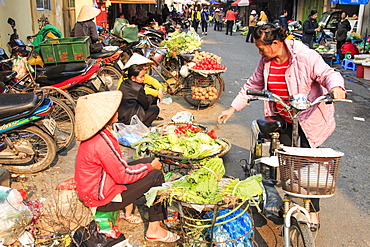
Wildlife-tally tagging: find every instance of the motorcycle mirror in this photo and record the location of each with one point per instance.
(11, 22)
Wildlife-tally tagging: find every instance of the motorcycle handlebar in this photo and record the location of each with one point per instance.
(263, 93)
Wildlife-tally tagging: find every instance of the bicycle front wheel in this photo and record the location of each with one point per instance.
(300, 234)
(110, 76)
(195, 82)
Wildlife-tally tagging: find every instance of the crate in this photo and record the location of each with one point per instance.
(65, 50)
(309, 172)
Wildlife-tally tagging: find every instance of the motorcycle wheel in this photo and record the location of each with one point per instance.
(110, 77)
(197, 80)
(65, 120)
(79, 91)
(41, 144)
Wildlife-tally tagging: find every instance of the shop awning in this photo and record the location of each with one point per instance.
(353, 2)
(243, 3)
(214, 2)
(235, 3)
(134, 1)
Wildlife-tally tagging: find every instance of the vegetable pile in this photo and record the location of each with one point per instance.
(199, 55)
(203, 187)
(181, 42)
(182, 141)
(207, 93)
(208, 64)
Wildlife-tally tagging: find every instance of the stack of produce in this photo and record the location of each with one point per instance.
(204, 93)
(199, 55)
(183, 141)
(209, 64)
(181, 42)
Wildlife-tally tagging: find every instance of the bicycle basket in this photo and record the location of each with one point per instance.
(309, 172)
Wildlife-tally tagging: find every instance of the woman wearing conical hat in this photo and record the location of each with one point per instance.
(85, 26)
(105, 181)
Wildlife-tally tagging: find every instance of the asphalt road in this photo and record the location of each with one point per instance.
(345, 219)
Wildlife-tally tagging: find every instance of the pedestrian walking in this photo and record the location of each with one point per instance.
(252, 25)
(341, 34)
(283, 21)
(165, 12)
(195, 18)
(310, 27)
(218, 20)
(230, 21)
(205, 18)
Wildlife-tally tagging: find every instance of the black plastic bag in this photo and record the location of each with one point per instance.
(273, 203)
(88, 236)
(96, 47)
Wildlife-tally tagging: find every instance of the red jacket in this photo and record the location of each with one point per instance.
(349, 48)
(230, 15)
(101, 172)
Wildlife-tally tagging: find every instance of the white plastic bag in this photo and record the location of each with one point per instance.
(14, 215)
(183, 117)
(128, 134)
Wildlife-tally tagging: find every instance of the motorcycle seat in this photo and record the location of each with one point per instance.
(271, 124)
(102, 54)
(153, 30)
(53, 75)
(6, 76)
(13, 104)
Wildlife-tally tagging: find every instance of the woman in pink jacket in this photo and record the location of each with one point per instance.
(105, 181)
(289, 67)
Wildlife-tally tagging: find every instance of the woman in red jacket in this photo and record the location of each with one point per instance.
(105, 180)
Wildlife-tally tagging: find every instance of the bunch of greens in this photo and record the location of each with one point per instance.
(189, 145)
(181, 42)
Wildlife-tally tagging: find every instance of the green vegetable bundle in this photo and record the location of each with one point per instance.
(181, 42)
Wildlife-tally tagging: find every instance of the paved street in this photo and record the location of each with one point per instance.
(345, 218)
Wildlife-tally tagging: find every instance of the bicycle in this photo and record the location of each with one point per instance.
(305, 172)
(179, 78)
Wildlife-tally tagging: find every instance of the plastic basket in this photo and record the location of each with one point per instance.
(309, 172)
(65, 50)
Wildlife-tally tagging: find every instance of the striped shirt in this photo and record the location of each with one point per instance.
(277, 85)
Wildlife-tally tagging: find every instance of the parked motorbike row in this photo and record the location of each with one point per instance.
(37, 101)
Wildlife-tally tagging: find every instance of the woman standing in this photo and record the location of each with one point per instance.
(106, 182)
(341, 34)
(195, 18)
(205, 18)
(252, 25)
(310, 27)
(230, 20)
(288, 67)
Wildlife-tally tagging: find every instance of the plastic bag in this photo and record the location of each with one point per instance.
(14, 215)
(128, 134)
(183, 117)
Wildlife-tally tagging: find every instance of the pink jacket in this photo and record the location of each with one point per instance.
(101, 172)
(308, 74)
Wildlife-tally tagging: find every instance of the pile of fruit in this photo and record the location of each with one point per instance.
(199, 55)
(208, 64)
(204, 93)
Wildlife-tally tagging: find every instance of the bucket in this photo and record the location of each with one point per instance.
(366, 73)
(359, 70)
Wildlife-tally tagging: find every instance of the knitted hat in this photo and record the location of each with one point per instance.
(136, 58)
(94, 111)
(87, 13)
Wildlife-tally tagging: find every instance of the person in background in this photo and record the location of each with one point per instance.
(165, 12)
(349, 48)
(85, 25)
(105, 181)
(252, 25)
(230, 21)
(186, 11)
(283, 20)
(204, 16)
(135, 101)
(218, 20)
(310, 27)
(341, 34)
(288, 67)
(263, 19)
(195, 18)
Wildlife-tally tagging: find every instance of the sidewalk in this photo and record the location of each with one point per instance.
(350, 75)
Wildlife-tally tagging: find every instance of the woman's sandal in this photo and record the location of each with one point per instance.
(170, 238)
(314, 227)
(133, 219)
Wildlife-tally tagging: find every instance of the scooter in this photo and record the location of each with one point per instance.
(26, 130)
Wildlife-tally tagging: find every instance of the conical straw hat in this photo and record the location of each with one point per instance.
(136, 58)
(87, 13)
(94, 111)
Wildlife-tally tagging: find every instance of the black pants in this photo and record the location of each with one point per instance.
(150, 115)
(195, 25)
(217, 26)
(250, 34)
(286, 139)
(157, 212)
(229, 27)
(204, 26)
(339, 48)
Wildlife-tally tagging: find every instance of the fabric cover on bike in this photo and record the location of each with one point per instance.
(125, 31)
(13, 104)
(6, 76)
(41, 35)
(271, 124)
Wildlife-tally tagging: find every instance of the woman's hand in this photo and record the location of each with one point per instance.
(339, 93)
(225, 115)
(156, 164)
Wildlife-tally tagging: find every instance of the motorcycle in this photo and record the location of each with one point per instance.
(26, 130)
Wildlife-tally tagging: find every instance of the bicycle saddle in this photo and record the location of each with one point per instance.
(6, 76)
(271, 124)
(13, 104)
